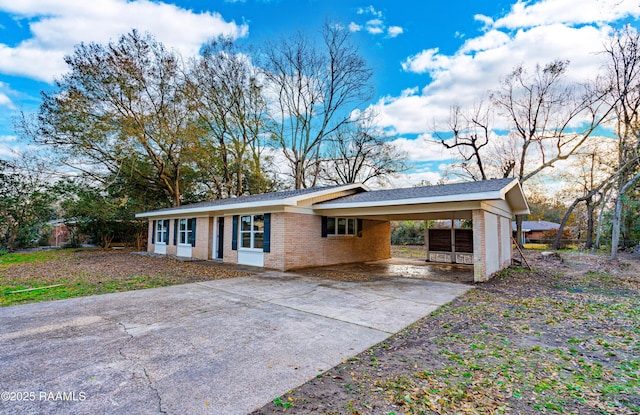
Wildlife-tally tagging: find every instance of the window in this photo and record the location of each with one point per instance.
(162, 231)
(185, 231)
(342, 226)
(252, 231)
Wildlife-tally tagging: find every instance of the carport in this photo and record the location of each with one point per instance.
(488, 205)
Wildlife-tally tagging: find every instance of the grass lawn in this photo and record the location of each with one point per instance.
(563, 339)
(75, 273)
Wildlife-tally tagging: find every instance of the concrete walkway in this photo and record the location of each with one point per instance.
(217, 347)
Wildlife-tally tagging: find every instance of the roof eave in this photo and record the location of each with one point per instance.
(410, 201)
(288, 201)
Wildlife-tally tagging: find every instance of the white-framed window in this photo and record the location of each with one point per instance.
(252, 231)
(185, 231)
(342, 226)
(162, 231)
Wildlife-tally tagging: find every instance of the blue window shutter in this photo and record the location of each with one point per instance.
(234, 233)
(166, 231)
(324, 226)
(266, 243)
(153, 232)
(193, 231)
(359, 228)
(175, 231)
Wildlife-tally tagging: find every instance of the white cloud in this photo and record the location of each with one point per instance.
(524, 14)
(5, 101)
(369, 10)
(393, 31)
(428, 59)
(416, 177)
(375, 26)
(354, 27)
(488, 21)
(57, 25)
(464, 77)
(423, 148)
(8, 146)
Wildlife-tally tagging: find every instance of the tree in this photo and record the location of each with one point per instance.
(623, 93)
(26, 204)
(225, 93)
(360, 153)
(548, 119)
(471, 133)
(591, 175)
(102, 214)
(314, 89)
(121, 110)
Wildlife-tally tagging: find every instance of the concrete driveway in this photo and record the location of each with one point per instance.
(218, 347)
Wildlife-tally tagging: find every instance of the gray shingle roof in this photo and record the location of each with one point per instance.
(264, 197)
(422, 192)
(537, 225)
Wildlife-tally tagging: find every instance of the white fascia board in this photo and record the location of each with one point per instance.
(416, 201)
(215, 208)
(520, 195)
(290, 201)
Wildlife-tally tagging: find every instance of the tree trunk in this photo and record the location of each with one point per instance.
(590, 209)
(615, 231)
(556, 242)
(519, 219)
(617, 215)
(603, 205)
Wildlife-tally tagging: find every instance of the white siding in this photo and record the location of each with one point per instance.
(492, 241)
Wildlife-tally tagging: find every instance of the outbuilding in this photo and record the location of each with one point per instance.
(343, 224)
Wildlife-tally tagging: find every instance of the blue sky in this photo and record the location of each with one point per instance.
(427, 55)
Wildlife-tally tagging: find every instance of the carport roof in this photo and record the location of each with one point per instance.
(495, 189)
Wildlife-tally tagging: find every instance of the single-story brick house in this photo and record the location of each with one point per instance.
(533, 230)
(342, 224)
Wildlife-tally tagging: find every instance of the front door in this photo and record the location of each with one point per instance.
(220, 239)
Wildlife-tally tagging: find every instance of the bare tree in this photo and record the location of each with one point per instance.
(360, 153)
(549, 120)
(623, 67)
(593, 177)
(471, 133)
(314, 89)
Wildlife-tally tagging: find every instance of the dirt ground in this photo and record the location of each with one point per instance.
(98, 271)
(563, 338)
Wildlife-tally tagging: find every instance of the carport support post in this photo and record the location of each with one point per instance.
(453, 238)
(479, 247)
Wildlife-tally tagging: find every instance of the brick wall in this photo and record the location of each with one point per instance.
(202, 250)
(304, 246)
(228, 254)
(150, 246)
